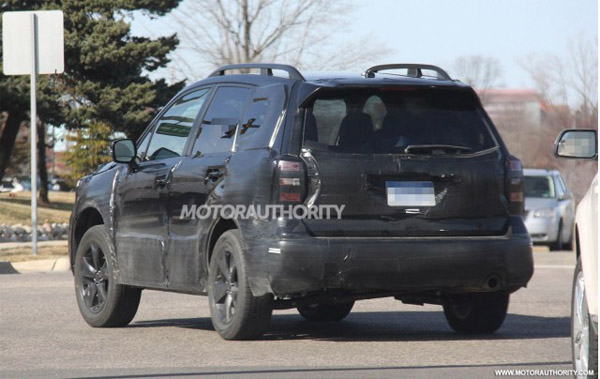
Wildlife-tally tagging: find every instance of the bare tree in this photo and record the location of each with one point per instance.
(217, 32)
(478, 71)
(568, 87)
(584, 80)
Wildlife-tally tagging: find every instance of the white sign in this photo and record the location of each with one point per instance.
(21, 30)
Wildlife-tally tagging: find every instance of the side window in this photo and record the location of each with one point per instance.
(142, 145)
(223, 114)
(562, 188)
(174, 126)
(328, 115)
(261, 116)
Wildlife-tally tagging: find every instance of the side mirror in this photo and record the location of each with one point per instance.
(124, 151)
(577, 143)
(564, 197)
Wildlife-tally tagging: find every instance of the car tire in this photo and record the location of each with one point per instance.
(325, 312)
(584, 338)
(102, 302)
(477, 312)
(558, 244)
(236, 313)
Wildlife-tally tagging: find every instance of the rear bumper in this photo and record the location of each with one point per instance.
(305, 264)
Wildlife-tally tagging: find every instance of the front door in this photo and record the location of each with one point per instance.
(141, 220)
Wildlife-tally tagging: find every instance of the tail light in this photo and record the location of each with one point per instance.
(514, 186)
(290, 181)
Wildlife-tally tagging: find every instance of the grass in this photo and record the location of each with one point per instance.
(16, 208)
(23, 254)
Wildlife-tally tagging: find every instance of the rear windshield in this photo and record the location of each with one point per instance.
(539, 186)
(397, 120)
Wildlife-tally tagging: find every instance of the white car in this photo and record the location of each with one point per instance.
(583, 144)
(549, 208)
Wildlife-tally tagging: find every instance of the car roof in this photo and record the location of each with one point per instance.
(539, 172)
(329, 79)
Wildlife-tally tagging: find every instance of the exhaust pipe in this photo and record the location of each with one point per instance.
(493, 282)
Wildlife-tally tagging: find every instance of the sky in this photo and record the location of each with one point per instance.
(439, 31)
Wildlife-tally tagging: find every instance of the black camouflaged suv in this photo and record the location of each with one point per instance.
(267, 190)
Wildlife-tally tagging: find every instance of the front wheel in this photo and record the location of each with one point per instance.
(326, 312)
(584, 338)
(558, 244)
(477, 312)
(236, 314)
(102, 302)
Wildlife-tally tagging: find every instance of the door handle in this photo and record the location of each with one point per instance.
(161, 181)
(212, 175)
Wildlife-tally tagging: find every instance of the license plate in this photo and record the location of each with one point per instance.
(410, 194)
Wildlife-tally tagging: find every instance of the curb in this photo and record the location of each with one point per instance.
(42, 265)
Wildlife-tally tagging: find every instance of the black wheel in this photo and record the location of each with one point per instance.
(326, 312)
(236, 314)
(558, 244)
(102, 302)
(478, 312)
(584, 338)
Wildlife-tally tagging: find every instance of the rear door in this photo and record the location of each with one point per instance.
(405, 162)
(198, 180)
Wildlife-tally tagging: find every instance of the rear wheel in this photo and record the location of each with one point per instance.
(326, 312)
(236, 314)
(102, 302)
(478, 312)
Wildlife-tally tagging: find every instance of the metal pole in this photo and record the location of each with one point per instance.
(33, 135)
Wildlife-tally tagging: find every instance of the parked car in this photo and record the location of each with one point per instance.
(11, 185)
(583, 144)
(549, 208)
(428, 200)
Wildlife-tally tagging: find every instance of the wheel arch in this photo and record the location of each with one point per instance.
(221, 226)
(87, 218)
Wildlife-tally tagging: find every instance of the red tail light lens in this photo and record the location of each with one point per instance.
(290, 181)
(514, 186)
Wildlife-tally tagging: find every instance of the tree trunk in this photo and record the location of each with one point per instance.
(7, 139)
(41, 158)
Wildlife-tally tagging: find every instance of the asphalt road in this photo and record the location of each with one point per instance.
(42, 334)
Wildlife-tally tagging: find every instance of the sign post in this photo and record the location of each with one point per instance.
(32, 44)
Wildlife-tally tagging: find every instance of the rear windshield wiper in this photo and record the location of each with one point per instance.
(432, 148)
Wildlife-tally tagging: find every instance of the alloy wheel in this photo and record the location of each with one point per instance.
(94, 278)
(225, 287)
(581, 327)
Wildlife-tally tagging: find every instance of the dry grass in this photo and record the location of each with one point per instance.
(23, 254)
(16, 208)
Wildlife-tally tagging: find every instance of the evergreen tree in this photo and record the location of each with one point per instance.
(105, 79)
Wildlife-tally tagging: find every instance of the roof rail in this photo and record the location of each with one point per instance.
(414, 70)
(265, 69)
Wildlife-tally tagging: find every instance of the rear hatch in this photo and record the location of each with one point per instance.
(404, 161)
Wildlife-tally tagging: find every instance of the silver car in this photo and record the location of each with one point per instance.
(549, 208)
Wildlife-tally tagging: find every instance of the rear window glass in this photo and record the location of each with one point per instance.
(400, 120)
(539, 186)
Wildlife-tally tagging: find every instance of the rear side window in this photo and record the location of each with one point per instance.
(174, 126)
(261, 117)
(324, 119)
(539, 186)
(223, 114)
(397, 120)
